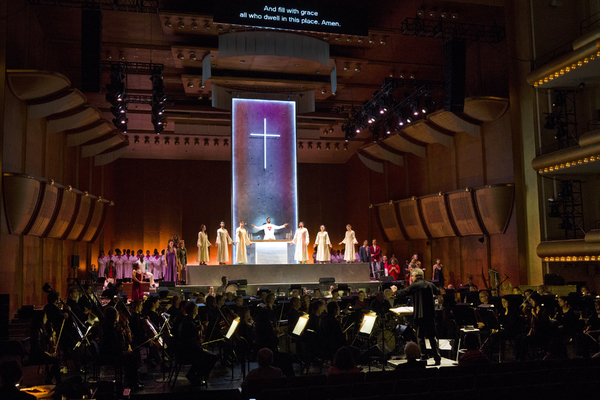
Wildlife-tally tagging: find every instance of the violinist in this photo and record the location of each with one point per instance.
(114, 294)
(266, 321)
(43, 350)
(212, 317)
(188, 348)
(114, 348)
(140, 335)
(305, 303)
(173, 308)
(539, 331)
(333, 336)
(151, 310)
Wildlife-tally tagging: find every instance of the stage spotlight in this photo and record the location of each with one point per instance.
(310, 145)
(192, 56)
(408, 120)
(337, 146)
(146, 140)
(168, 23)
(301, 145)
(414, 109)
(357, 68)
(181, 24)
(205, 142)
(207, 26)
(158, 99)
(346, 67)
(196, 142)
(194, 25)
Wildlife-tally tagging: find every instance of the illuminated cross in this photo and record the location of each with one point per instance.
(264, 135)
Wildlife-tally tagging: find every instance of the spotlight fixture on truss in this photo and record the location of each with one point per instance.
(115, 95)
(158, 101)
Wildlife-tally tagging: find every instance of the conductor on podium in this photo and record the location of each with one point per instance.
(423, 293)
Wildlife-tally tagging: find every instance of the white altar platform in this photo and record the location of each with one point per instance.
(270, 252)
(265, 274)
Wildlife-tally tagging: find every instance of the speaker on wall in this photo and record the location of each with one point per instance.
(74, 261)
(455, 70)
(91, 49)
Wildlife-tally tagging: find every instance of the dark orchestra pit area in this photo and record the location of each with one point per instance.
(178, 341)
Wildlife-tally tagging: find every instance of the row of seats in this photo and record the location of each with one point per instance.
(475, 379)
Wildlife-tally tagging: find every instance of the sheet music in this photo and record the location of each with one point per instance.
(402, 310)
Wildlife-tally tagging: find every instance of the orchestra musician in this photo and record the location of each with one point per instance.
(114, 349)
(266, 323)
(43, 347)
(188, 348)
(333, 337)
(539, 331)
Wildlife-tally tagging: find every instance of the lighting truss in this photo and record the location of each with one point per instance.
(445, 29)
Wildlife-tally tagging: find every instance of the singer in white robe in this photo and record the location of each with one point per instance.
(301, 241)
(349, 241)
(323, 245)
(241, 241)
(203, 245)
(223, 242)
(269, 229)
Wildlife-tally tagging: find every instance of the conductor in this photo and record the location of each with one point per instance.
(423, 293)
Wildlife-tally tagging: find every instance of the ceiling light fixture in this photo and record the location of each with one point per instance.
(181, 24)
(168, 23)
(192, 56)
(194, 25)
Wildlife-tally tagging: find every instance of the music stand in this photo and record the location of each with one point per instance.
(228, 335)
(300, 325)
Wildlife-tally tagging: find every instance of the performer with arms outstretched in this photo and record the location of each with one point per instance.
(269, 229)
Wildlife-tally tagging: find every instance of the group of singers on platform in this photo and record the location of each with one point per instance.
(170, 263)
(176, 329)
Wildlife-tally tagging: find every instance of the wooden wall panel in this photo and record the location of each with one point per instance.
(390, 222)
(409, 216)
(436, 216)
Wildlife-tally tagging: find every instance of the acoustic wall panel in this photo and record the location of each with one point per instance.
(66, 212)
(495, 205)
(50, 201)
(464, 214)
(85, 206)
(389, 222)
(96, 221)
(409, 215)
(436, 216)
(21, 196)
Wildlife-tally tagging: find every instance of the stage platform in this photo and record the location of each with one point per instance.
(277, 274)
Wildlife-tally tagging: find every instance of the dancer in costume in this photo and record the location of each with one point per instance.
(203, 245)
(242, 240)
(349, 241)
(301, 241)
(323, 245)
(223, 242)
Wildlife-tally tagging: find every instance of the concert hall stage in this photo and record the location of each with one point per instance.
(277, 274)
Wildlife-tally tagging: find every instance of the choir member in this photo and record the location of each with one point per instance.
(269, 229)
(301, 241)
(171, 261)
(102, 260)
(394, 270)
(119, 259)
(322, 241)
(437, 276)
(181, 261)
(364, 256)
(110, 272)
(203, 245)
(349, 241)
(242, 240)
(156, 264)
(223, 242)
(128, 261)
(375, 253)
